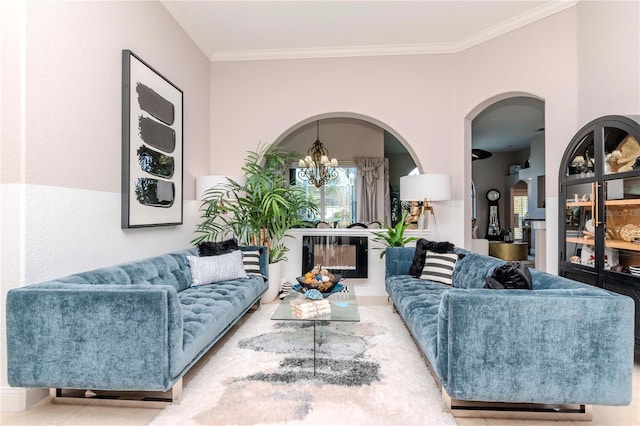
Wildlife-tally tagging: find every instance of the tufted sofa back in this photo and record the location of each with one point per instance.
(168, 269)
(472, 270)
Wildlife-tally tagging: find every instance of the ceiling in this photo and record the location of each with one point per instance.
(261, 30)
(251, 30)
(508, 125)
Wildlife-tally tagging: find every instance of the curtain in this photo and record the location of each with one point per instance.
(369, 172)
(387, 194)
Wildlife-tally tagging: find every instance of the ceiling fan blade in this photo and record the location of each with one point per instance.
(479, 154)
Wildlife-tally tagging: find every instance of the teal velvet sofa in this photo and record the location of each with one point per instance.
(562, 342)
(138, 326)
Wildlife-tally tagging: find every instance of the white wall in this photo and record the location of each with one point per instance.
(61, 141)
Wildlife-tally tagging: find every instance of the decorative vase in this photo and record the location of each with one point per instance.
(275, 275)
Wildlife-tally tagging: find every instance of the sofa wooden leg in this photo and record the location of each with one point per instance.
(176, 392)
(507, 410)
(256, 306)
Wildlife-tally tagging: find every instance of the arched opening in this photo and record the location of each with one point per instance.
(519, 207)
(509, 130)
(347, 137)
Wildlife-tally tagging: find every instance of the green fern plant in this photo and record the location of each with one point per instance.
(259, 211)
(394, 237)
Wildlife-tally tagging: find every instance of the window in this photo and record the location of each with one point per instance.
(520, 208)
(336, 198)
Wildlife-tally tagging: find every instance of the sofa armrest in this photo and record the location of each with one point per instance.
(536, 346)
(398, 260)
(83, 336)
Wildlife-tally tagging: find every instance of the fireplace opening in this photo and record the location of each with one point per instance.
(345, 255)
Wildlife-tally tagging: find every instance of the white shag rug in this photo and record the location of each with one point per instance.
(261, 373)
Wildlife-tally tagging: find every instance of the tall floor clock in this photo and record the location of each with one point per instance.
(493, 222)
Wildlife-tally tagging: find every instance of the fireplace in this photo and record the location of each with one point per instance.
(346, 255)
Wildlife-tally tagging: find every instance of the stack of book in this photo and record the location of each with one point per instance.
(305, 308)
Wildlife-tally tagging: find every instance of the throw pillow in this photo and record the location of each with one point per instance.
(251, 260)
(210, 248)
(422, 246)
(511, 275)
(439, 267)
(214, 269)
(418, 258)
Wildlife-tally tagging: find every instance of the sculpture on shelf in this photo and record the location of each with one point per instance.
(624, 157)
(414, 213)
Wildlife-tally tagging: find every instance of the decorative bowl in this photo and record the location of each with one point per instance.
(323, 287)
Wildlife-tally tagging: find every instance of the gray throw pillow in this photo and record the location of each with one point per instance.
(214, 269)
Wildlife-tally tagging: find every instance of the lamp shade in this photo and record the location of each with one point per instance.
(433, 187)
(204, 183)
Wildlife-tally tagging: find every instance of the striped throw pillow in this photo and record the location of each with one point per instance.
(439, 267)
(251, 260)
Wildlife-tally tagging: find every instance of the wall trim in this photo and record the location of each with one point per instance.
(19, 399)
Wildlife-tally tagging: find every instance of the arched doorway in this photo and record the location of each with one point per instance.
(510, 128)
(348, 136)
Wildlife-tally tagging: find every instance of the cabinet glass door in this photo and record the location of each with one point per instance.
(580, 224)
(622, 225)
(581, 161)
(620, 151)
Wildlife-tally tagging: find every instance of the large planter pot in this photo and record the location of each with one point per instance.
(275, 276)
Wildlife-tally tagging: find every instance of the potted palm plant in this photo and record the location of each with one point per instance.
(258, 210)
(394, 236)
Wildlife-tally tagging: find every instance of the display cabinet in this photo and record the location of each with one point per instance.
(599, 224)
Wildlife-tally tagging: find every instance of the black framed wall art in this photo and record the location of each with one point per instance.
(152, 146)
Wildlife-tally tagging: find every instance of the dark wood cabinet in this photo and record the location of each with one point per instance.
(599, 208)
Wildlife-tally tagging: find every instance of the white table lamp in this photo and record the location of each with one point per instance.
(426, 188)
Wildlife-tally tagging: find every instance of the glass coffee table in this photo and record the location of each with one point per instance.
(344, 308)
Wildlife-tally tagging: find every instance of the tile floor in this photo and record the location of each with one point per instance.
(45, 413)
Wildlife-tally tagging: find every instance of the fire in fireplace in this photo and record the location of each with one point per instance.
(346, 255)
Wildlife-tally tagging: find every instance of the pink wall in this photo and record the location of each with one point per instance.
(258, 101)
(61, 141)
(61, 106)
(424, 98)
(73, 73)
(429, 100)
(609, 61)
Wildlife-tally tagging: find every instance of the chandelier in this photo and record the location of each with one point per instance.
(316, 167)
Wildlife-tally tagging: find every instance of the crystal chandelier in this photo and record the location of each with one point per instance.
(316, 167)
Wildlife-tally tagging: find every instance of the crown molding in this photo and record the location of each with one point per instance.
(516, 22)
(330, 52)
(507, 26)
